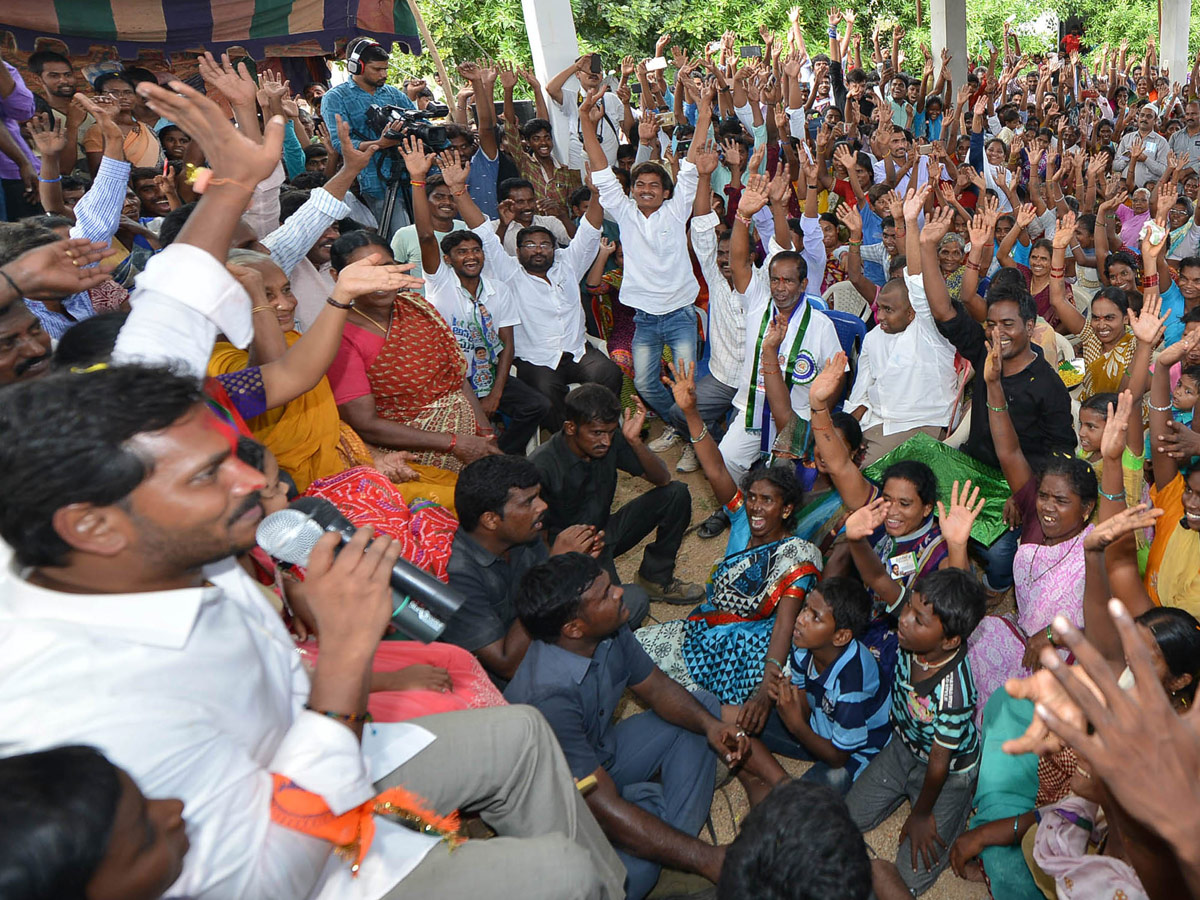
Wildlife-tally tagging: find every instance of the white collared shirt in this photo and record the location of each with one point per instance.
(906, 380)
(551, 311)
(726, 318)
(446, 294)
(550, 223)
(657, 278)
(820, 343)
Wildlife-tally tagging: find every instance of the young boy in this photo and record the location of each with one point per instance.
(834, 711)
(654, 771)
(933, 757)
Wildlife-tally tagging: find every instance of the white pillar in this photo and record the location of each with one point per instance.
(1173, 40)
(948, 29)
(550, 25)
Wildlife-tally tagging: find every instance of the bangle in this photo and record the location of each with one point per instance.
(973, 266)
(765, 371)
(453, 443)
(745, 220)
(833, 34)
(416, 184)
(1165, 409)
(1118, 496)
(1050, 638)
(774, 662)
(854, 243)
(217, 182)
(344, 718)
(49, 180)
(1150, 281)
(813, 187)
(1016, 824)
(816, 409)
(12, 283)
(701, 436)
(255, 309)
(333, 302)
(1003, 408)
(459, 192)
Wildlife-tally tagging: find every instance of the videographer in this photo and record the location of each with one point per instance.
(367, 63)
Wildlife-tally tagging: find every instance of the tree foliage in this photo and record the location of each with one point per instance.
(468, 29)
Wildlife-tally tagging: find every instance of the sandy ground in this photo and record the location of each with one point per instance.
(696, 558)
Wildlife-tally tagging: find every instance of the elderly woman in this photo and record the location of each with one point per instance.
(1179, 218)
(1134, 216)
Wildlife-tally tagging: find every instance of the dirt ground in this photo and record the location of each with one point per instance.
(696, 558)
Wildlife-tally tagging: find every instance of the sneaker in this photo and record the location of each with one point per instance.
(677, 593)
(665, 441)
(713, 525)
(687, 460)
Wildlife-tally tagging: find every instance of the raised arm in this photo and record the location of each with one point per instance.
(1064, 234)
(683, 386)
(855, 490)
(741, 256)
(1013, 464)
(418, 162)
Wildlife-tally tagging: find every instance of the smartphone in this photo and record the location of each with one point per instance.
(991, 47)
(597, 64)
(924, 149)
(657, 64)
(666, 119)
(635, 87)
(752, 50)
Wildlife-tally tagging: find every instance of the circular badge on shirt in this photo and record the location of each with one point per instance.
(805, 369)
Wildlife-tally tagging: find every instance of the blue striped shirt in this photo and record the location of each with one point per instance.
(938, 710)
(351, 102)
(849, 702)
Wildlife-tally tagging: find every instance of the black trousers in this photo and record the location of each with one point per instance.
(15, 205)
(593, 367)
(525, 409)
(667, 509)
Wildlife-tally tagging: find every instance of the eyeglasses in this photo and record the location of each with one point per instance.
(529, 245)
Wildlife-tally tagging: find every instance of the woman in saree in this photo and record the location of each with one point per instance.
(409, 679)
(736, 642)
(399, 378)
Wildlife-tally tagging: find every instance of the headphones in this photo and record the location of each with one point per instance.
(354, 51)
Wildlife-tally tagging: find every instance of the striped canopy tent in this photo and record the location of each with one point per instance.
(264, 28)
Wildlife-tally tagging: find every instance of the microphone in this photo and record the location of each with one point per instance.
(421, 604)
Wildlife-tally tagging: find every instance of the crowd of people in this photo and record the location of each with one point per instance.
(935, 349)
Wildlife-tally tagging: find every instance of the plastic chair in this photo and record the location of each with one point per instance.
(844, 297)
(850, 330)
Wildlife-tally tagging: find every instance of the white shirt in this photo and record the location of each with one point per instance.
(551, 311)
(311, 286)
(610, 125)
(199, 693)
(726, 317)
(551, 224)
(820, 343)
(446, 294)
(906, 380)
(658, 277)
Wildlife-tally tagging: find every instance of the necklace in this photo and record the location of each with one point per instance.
(1034, 579)
(377, 326)
(929, 667)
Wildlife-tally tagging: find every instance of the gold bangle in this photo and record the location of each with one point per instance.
(255, 309)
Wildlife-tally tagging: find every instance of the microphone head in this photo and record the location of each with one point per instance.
(321, 511)
(289, 535)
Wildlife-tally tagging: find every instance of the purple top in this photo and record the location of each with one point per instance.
(246, 390)
(16, 108)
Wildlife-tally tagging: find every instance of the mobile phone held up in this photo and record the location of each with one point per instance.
(597, 64)
(751, 50)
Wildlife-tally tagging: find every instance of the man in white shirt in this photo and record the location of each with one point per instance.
(657, 280)
(480, 311)
(1186, 141)
(551, 350)
(406, 247)
(810, 339)
(564, 106)
(1144, 148)
(126, 623)
(517, 210)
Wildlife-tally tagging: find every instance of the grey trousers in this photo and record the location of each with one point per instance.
(880, 445)
(896, 775)
(505, 764)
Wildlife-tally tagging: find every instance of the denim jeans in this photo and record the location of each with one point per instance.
(998, 560)
(676, 330)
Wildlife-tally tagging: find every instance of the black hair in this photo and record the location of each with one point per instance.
(173, 223)
(37, 61)
(314, 150)
(850, 428)
(794, 257)
(251, 452)
(1012, 289)
(454, 238)
(799, 843)
(1177, 634)
(344, 246)
(918, 474)
(508, 185)
(592, 403)
(1115, 296)
(90, 341)
(1086, 222)
(848, 601)
(1124, 257)
(105, 77)
(484, 486)
(76, 181)
(1043, 244)
(1079, 474)
(142, 173)
(17, 238)
(57, 809)
(580, 195)
(289, 202)
(65, 440)
(373, 53)
(533, 126)
(957, 597)
(783, 478)
(653, 168)
(1099, 403)
(48, 220)
(1192, 315)
(535, 229)
(1192, 372)
(1189, 262)
(309, 181)
(550, 593)
(140, 75)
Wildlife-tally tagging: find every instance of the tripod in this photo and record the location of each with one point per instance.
(398, 188)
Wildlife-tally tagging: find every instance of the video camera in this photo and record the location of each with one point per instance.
(403, 123)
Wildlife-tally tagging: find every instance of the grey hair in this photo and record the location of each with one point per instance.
(243, 257)
(952, 237)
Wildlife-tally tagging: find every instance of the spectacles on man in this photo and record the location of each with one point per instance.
(543, 245)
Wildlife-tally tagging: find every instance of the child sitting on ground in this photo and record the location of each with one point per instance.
(933, 757)
(835, 709)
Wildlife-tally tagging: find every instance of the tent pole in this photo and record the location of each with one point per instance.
(443, 77)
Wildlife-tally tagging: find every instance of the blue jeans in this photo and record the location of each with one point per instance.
(998, 560)
(676, 330)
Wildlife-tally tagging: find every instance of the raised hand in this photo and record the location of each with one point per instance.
(914, 200)
(828, 382)
(236, 84)
(1116, 425)
(508, 76)
(865, 520)
(936, 225)
(59, 269)
(102, 107)
(1127, 521)
(48, 135)
(956, 523)
(754, 195)
(1025, 215)
(849, 216)
(373, 273)
(354, 158)
(993, 363)
(454, 169)
(773, 338)
(592, 110)
(682, 384)
(1064, 234)
(706, 158)
(648, 127)
(416, 160)
(635, 419)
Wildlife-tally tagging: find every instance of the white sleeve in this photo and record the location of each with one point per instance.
(704, 245)
(863, 379)
(496, 261)
(612, 195)
(581, 252)
(813, 252)
(262, 215)
(745, 115)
